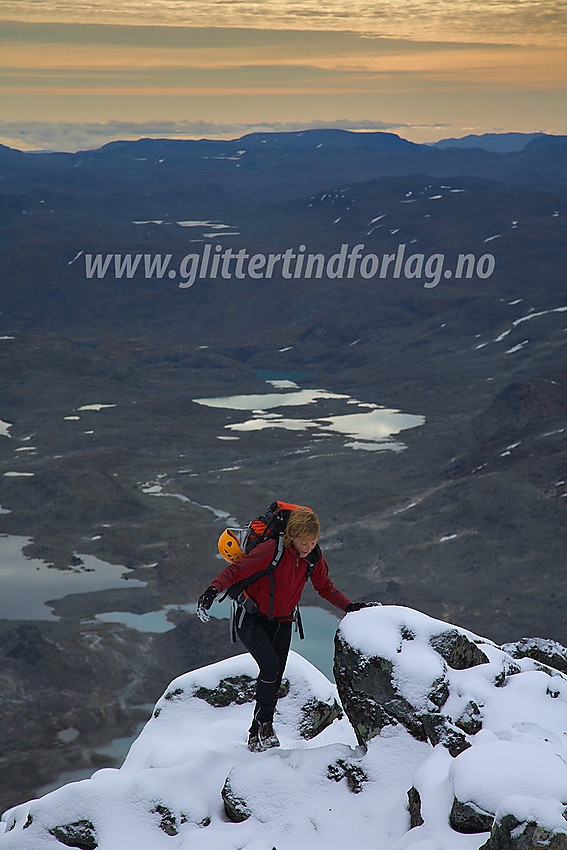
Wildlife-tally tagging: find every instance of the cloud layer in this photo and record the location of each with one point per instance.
(522, 21)
(74, 136)
(464, 65)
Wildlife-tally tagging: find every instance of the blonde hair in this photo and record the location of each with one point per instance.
(301, 523)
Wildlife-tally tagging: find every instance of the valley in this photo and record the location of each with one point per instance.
(106, 454)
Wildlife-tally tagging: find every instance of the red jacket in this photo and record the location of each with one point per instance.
(290, 577)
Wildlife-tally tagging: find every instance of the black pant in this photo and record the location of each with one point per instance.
(268, 642)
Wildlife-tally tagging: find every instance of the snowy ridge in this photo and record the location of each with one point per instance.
(190, 782)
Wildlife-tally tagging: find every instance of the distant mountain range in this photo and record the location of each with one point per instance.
(313, 157)
(267, 192)
(500, 142)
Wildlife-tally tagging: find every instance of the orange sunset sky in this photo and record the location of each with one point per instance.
(79, 73)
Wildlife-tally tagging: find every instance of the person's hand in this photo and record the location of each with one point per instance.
(356, 606)
(204, 603)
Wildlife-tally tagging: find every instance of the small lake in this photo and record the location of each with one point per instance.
(113, 753)
(319, 626)
(367, 425)
(27, 583)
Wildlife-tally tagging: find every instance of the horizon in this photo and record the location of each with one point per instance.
(425, 70)
(132, 137)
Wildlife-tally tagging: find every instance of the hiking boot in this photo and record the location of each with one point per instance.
(254, 744)
(267, 736)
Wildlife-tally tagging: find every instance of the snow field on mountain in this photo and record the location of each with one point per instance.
(326, 792)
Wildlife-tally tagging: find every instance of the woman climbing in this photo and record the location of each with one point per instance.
(267, 608)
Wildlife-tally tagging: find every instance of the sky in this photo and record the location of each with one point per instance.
(75, 74)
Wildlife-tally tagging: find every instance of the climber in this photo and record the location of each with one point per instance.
(268, 604)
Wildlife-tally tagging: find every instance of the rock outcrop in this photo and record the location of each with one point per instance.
(499, 712)
(307, 712)
(199, 710)
(548, 652)
(373, 694)
(510, 834)
(461, 745)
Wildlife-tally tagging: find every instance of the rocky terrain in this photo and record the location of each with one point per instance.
(466, 523)
(449, 741)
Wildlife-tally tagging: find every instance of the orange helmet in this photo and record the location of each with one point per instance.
(230, 545)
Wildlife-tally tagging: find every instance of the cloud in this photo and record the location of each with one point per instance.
(148, 80)
(520, 21)
(71, 136)
(89, 63)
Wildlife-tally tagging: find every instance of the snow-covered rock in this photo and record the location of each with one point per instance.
(171, 781)
(307, 700)
(540, 825)
(403, 677)
(547, 652)
(412, 687)
(500, 713)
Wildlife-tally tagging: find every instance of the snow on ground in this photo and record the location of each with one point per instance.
(518, 760)
(527, 318)
(96, 406)
(326, 792)
(181, 760)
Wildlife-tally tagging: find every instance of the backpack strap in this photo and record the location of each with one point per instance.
(232, 622)
(278, 555)
(236, 591)
(299, 623)
(313, 558)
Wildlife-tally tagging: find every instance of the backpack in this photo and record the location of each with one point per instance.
(267, 526)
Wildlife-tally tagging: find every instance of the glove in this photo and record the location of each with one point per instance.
(356, 606)
(204, 603)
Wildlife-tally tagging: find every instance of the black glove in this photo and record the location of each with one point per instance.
(204, 603)
(356, 606)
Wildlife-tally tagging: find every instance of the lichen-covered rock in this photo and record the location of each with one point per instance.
(79, 834)
(353, 773)
(316, 715)
(414, 808)
(369, 695)
(441, 730)
(442, 683)
(168, 821)
(235, 807)
(469, 818)
(509, 833)
(470, 721)
(458, 650)
(407, 679)
(234, 690)
(547, 652)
